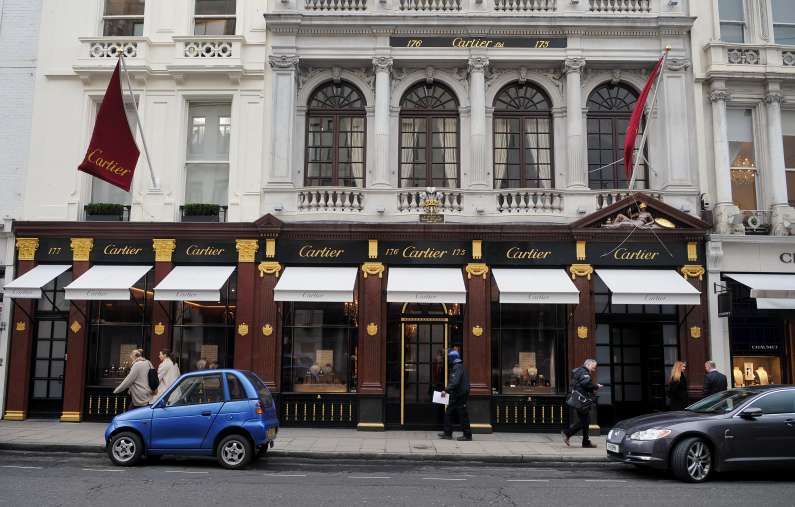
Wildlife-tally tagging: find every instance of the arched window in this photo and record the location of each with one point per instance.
(609, 109)
(335, 136)
(522, 138)
(429, 137)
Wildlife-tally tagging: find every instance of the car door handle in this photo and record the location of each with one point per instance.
(207, 413)
(790, 423)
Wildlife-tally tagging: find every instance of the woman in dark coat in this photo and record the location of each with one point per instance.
(677, 387)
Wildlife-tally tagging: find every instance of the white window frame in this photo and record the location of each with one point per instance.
(214, 16)
(776, 24)
(757, 141)
(191, 103)
(111, 17)
(743, 22)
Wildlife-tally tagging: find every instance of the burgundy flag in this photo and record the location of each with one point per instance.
(637, 115)
(112, 153)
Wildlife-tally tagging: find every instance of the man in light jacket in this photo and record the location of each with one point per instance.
(137, 381)
(167, 371)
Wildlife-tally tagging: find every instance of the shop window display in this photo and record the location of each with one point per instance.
(319, 350)
(756, 371)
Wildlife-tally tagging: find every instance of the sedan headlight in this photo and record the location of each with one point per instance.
(650, 434)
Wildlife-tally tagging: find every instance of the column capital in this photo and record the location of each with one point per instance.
(283, 62)
(246, 249)
(81, 249)
(719, 95)
(373, 269)
(774, 97)
(478, 64)
(693, 271)
(163, 248)
(581, 270)
(576, 64)
(26, 248)
(382, 63)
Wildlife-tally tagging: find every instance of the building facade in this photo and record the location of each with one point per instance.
(744, 62)
(346, 189)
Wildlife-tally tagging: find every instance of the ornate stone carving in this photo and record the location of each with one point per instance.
(284, 62)
(269, 268)
(246, 249)
(373, 269)
(26, 248)
(164, 249)
(615, 77)
(398, 75)
(478, 63)
(676, 64)
(774, 97)
(581, 270)
(429, 75)
(744, 56)
(781, 220)
(725, 216)
(693, 271)
(382, 63)
(574, 65)
(81, 248)
(719, 96)
(477, 269)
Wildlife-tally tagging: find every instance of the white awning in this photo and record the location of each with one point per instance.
(29, 285)
(320, 284)
(536, 286)
(775, 304)
(425, 285)
(649, 287)
(767, 286)
(109, 283)
(193, 283)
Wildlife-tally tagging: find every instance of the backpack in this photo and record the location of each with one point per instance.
(152, 379)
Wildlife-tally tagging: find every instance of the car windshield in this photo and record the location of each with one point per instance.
(720, 403)
(262, 391)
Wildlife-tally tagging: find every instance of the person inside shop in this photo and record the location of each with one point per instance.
(677, 387)
(714, 381)
(167, 371)
(458, 390)
(581, 400)
(136, 383)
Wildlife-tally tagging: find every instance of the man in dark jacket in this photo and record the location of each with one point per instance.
(583, 381)
(458, 391)
(714, 381)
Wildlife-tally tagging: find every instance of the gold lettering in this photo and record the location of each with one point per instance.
(112, 249)
(414, 43)
(323, 253)
(195, 250)
(412, 252)
(533, 253)
(624, 254)
(109, 165)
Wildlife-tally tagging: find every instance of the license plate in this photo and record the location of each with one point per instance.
(612, 447)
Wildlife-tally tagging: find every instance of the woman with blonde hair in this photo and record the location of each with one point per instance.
(677, 386)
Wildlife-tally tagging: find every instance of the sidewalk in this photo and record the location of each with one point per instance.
(39, 435)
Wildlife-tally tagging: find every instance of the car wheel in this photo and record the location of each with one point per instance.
(125, 449)
(234, 452)
(691, 460)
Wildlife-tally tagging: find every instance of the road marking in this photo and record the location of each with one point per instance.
(527, 480)
(20, 466)
(440, 479)
(284, 475)
(184, 472)
(369, 477)
(101, 470)
(604, 480)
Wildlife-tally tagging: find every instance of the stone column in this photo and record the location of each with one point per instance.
(575, 135)
(267, 345)
(383, 69)
(782, 213)
(477, 100)
(477, 344)
(283, 70)
(244, 316)
(725, 211)
(675, 118)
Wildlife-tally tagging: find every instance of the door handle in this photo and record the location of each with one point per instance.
(790, 423)
(207, 413)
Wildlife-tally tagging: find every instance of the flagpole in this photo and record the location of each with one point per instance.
(155, 181)
(646, 130)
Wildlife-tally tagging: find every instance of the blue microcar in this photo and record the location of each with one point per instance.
(229, 414)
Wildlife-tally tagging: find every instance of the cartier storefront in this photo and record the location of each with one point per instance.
(348, 324)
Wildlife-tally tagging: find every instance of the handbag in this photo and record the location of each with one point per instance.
(579, 401)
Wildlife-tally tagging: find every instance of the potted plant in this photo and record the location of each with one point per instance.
(201, 212)
(104, 212)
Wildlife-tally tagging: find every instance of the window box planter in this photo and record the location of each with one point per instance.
(107, 212)
(203, 213)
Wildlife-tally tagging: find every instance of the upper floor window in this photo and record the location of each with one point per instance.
(732, 20)
(207, 168)
(522, 138)
(214, 17)
(742, 155)
(123, 18)
(788, 126)
(609, 109)
(784, 22)
(429, 137)
(335, 136)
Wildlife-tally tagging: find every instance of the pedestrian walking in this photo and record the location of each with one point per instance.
(136, 383)
(581, 400)
(167, 371)
(677, 386)
(458, 391)
(714, 381)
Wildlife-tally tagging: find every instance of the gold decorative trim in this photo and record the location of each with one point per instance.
(160, 328)
(21, 326)
(14, 415)
(370, 426)
(695, 332)
(580, 250)
(692, 251)
(26, 248)
(581, 270)
(477, 269)
(164, 249)
(71, 417)
(372, 249)
(81, 249)
(693, 271)
(481, 426)
(242, 329)
(373, 269)
(269, 268)
(246, 249)
(477, 249)
(372, 329)
(582, 332)
(594, 427)
(270, 248)
(267, 330)
(477, 331)
(75, 327)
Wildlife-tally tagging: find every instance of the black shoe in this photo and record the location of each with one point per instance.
(445, 436)
(588, 445)
(565, 438)
(464, 439)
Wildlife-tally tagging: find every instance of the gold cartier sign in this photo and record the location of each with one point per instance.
(95, 157)
(520, 254)
(413, 252)
(113, 249)
(640, 254)
(206, 251)
(310, 252)
(468, 42)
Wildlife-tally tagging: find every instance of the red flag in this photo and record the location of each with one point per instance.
(112, 153)
(634, 120)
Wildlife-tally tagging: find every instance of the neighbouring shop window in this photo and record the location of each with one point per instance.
(522, 138)
(756, 371)
(528, 348)
(335, 136)
(784, 22)
(320, 347)
(732, 20)
(429, 137)
(609, 109)
(214, 17)
(204, 331)
(207, 168)
(123, 18)
(118, 328)
(744, 172)
(788, 126)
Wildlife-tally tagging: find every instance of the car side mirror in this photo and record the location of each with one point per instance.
(751, 413)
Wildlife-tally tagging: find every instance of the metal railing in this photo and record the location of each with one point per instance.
(331, 410)
(529, 413)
